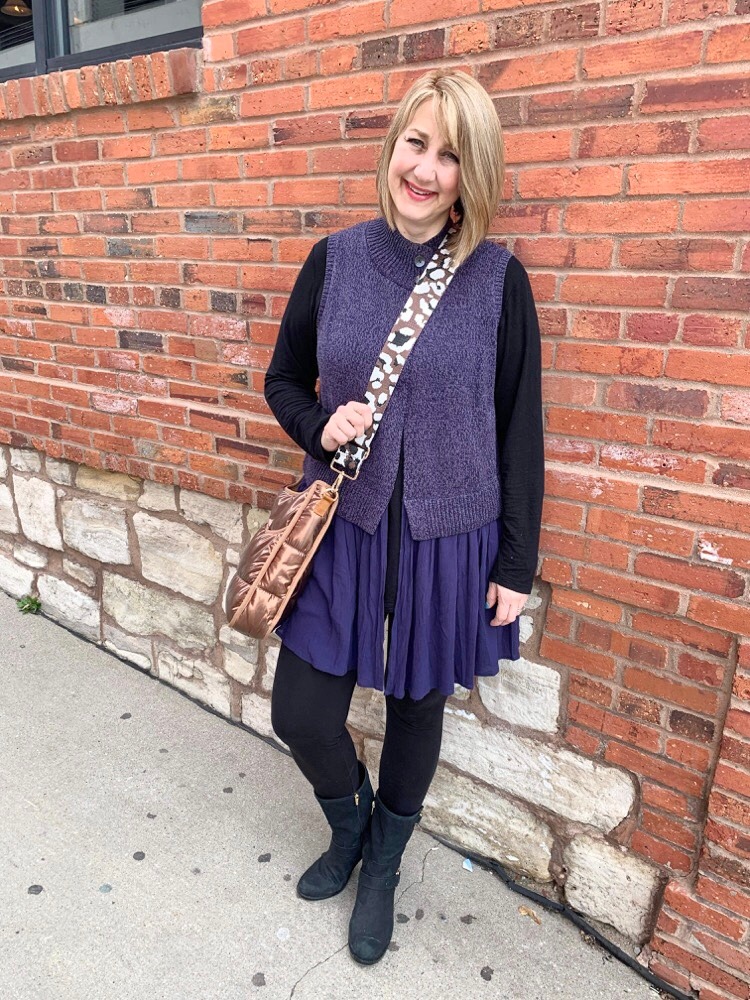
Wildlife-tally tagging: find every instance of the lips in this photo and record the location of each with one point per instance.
(418, 194)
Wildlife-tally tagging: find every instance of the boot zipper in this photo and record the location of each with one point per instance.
(356, 799)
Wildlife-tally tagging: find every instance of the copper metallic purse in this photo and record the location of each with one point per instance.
(276, 562)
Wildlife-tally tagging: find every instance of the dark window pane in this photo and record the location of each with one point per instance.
(16, 33)
(99, 24)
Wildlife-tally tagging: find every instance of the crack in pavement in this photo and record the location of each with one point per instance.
(312, 967)
(420, 880)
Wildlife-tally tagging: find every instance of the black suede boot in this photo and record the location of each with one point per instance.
(371, 924)
(348, 818)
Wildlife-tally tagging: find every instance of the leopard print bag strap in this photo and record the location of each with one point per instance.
(420, 305)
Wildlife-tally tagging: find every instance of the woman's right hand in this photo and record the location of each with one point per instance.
(347, 423)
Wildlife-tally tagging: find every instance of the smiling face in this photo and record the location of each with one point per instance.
(423, 177)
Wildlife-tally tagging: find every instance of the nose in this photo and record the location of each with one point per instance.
(425, 169)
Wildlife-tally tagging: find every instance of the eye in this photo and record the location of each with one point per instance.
(415, 142)
(451, 156)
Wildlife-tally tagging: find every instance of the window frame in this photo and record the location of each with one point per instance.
(52, 20)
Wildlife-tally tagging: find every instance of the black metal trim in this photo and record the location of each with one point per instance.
(17, 72)
(188, 38)
(40, 25)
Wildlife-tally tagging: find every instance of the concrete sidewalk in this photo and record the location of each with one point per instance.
(167, 844)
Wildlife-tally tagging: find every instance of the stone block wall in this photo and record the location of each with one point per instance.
(154, 213)
(141, 568)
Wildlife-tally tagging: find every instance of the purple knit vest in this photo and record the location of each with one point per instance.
(443, 405)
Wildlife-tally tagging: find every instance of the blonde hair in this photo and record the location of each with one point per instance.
(467, 118)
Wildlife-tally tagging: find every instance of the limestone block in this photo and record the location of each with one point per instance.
(231, 637)
(461, 693)
(30, 556)
(35, 500)
(233, 557)
(256, 713)
(534, 600)
(524, 693)
(472, 816)
(255, 519)
(84, 574)
(138, 609)
(178, 557)
(367, 711)
(525, 628)
(3, 463)
(97, 530)
(157, 496)
(240, 668)
(79, 612)
(8, 519)
(108, 484)
(199, 679)
(272, 658)
(14, 579)
(610, 885)
(223, 516)
(60, 472)
(25, 460)
(127, 647)
(556, 778)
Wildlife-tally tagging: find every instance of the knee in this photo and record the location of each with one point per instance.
(295, 724)
(287, 721)
(287, 709)
(280, 721)
(425, 714)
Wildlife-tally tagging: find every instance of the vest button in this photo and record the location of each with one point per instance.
(419, 261)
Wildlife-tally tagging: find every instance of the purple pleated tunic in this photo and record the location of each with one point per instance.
(440, 631)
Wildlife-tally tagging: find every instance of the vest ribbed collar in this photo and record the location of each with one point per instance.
(395, 256)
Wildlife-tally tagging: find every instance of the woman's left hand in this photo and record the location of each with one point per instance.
(509, 603)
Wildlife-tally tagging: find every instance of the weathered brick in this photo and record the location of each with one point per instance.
(581, 21)
(642, 56)
(698, 94)
(140, 340)
(732, 476)
(520, 29)
(691, 725)
(620, 139)
(212, 222)
(632, 15)
(715, 293)
(732, 132)
(380, 52)
(657, 399)
(424, 45)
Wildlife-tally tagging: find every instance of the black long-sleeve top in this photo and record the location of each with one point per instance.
(290, 392)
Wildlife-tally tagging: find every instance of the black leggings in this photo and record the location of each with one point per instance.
(308, 712)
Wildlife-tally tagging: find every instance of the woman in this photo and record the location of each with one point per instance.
(439, 533)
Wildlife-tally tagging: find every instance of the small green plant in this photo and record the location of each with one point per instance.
(28, 605)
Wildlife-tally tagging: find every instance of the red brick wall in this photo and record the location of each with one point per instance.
(154, 214)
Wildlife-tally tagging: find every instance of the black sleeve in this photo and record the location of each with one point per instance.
(289, 386)
(518, 410)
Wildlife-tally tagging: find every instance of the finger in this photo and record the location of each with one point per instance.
(346, 427)
(339, 436)
(501, 614)
(510, 616)
(361, 417)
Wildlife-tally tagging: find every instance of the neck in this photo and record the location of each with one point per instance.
(420, 234)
